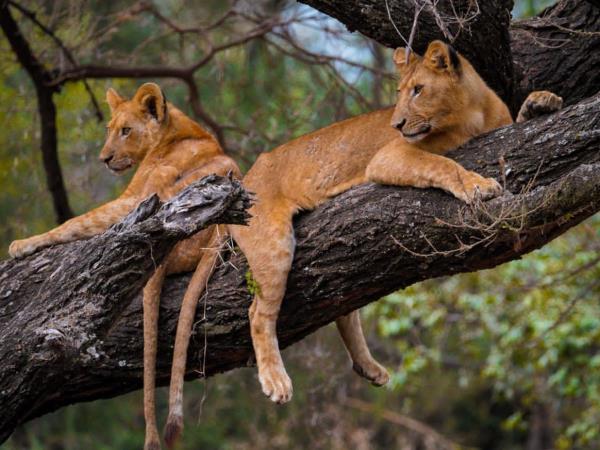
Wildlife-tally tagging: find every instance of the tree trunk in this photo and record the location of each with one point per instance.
(48, 141)
(559, 51)
(71, 316)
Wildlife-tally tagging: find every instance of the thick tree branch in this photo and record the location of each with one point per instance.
(92, 278)
(46, 108)
(559, 51)
(82, 334)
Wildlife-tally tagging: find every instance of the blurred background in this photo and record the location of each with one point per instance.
(500, 359)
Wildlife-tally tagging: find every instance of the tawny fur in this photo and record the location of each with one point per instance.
(453, 106)
(172, 151)
(174, 424)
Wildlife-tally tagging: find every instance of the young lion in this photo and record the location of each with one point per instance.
(442, 103)
(172, 151)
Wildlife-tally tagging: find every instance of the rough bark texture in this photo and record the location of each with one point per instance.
(71, 326)
(559, 50)
(59, 305)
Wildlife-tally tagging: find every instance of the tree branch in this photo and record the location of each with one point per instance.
(94, 278)
(67, 316)
(559, 51)
(32, 17)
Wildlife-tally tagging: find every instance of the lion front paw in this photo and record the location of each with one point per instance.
(23, 247)
(473, 186)
(539, 103)
(276, 384)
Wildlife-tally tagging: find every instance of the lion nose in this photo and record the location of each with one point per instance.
(106, 159)
(398, 125)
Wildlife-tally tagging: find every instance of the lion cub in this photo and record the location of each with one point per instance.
(172, 152)
(442, 103)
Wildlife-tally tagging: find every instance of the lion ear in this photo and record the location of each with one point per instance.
(152, 100)
(113, 99)
(441, 57)
(400, 59)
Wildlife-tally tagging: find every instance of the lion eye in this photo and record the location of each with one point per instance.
(125, 131)
(417, 89)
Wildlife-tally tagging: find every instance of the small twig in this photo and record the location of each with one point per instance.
(413, 31)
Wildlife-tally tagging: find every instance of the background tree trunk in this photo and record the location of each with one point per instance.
(71, 315)
(559, 51)
(48, 141)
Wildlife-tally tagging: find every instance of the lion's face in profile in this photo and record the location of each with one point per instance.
(135, 127)
(431, 94)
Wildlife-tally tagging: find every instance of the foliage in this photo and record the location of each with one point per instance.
(525, 334)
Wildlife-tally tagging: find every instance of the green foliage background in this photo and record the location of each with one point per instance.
(481, 357)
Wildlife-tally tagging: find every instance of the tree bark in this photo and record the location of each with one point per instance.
(48, 140)
(71, 315)
(73, 294)
(559, 50)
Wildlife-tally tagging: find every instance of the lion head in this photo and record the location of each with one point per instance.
(136, 126)
(433, 91)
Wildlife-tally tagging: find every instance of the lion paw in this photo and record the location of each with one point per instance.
(539, 103)
(372, 371)
(276, 384)
(22, 247)
(152, 443)
(473, 186)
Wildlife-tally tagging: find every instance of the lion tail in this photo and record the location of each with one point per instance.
(174, 425)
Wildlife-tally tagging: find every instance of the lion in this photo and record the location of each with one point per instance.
(171, 151)
(442, 102)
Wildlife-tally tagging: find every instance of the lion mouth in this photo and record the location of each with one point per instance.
(119, 167)
(417, 134)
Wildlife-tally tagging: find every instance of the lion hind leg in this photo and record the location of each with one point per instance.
(539, 103)
(353, 338)
(174, 425)
(151, 303)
